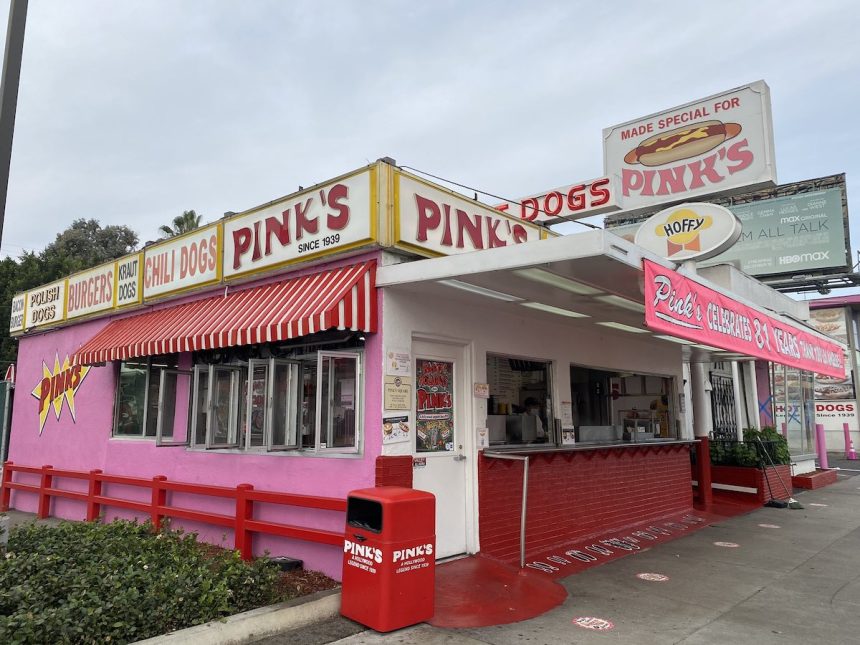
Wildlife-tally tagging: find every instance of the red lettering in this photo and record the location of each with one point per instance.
(739, 153)
(529, 209)
(429, 216)
(671, 180)
(576, 198)
(553, 203)
(446, 234)
(494, 241)
(336, 196)
(519, 233)
(44, 393)
(599, 193)
(241, 244)
(303, 222)
(702, 169)
(278, 228)
(471, 226)
(631, 181)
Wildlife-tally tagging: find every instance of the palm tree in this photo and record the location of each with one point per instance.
(188, 221)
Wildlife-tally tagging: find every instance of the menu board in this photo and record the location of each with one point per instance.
(832, 322)
(434, 405)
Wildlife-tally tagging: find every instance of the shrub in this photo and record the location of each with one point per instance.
(114, 583)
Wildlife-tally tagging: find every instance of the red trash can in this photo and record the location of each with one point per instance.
(389, 566)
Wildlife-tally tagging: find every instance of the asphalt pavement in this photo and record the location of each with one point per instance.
(774, 576)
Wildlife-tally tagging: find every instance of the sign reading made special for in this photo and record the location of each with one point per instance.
(716, 145)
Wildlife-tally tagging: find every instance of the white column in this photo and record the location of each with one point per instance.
(736, 390)
(700, 387)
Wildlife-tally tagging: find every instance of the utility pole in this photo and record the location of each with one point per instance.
(9, 95)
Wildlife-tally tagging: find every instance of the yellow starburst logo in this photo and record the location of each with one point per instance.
(60, 384)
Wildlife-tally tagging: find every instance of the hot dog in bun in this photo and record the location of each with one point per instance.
(682, 143)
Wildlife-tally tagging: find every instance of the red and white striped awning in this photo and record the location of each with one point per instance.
(343, 298)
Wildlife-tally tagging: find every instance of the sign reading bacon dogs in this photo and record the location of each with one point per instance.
(713, 146)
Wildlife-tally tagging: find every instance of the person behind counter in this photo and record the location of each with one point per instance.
(533, 409)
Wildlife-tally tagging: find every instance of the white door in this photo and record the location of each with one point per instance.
(440, 449)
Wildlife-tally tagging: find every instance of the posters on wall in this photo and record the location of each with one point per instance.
(397, 392)
(434, 405)
(833, 323)
(395, 429)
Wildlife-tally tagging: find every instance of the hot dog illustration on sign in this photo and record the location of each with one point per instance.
(682, 143)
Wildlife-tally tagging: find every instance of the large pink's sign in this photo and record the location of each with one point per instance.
(677, 305)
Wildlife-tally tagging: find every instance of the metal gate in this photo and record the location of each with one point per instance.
(723, 407)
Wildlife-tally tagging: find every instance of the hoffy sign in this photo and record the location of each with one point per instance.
(712, 146)
(692, 231)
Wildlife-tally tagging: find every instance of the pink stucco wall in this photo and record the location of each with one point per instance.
(85, 443)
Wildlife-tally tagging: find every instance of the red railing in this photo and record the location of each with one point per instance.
(241, 520)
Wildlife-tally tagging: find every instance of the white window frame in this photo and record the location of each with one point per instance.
(159, 424)
(233, 409)
(358, 410)
(294, 410)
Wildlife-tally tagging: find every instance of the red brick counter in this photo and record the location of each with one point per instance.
(579, 492)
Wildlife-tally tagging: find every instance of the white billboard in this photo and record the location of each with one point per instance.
(716, 145)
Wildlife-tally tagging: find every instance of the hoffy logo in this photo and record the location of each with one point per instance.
(362, 551)
(61, 384)
(682, 230)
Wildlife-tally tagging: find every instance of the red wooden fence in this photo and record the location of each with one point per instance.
(241, 520)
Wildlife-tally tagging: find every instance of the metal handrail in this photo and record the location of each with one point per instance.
(525, 460)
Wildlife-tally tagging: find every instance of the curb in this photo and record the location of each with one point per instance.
(257, 623)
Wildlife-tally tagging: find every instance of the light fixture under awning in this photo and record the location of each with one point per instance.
(342, 298)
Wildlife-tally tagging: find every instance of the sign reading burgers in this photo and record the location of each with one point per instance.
(717, 145)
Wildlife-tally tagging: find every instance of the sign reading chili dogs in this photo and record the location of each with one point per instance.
(679, 306)
(190, 260)
(712, 146)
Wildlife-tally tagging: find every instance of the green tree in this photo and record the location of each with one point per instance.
(188, 221)
(83, 245)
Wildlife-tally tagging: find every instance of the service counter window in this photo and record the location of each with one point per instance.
(137, 395)
(619, 407)
(519, 410)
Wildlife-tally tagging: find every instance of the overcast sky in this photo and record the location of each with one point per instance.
(131, 112)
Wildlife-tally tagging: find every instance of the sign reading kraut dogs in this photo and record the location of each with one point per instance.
(712, 146)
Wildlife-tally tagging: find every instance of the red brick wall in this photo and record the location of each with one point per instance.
(394, 471)
(573, 495)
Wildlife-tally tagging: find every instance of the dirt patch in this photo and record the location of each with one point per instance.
(293, 584)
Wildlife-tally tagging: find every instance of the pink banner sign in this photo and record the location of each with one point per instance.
(679, 306)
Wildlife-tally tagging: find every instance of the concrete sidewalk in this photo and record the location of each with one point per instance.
(794, 577)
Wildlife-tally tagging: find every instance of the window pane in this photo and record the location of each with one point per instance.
(309, 404)
(434, 406)
(157, 364)
(131, 396)
(259, 383)
(284, 409)
(222, 422)
(337, 416)
(173, 413)
(201, 403)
